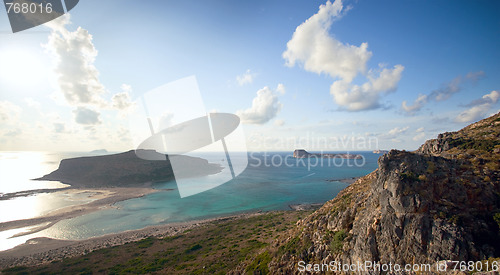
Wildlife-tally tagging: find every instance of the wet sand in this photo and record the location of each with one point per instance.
(101, 199)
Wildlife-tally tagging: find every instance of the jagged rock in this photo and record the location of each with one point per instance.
(434, 204)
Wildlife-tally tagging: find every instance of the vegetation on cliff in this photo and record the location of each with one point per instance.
(216, 248)
(441, 202)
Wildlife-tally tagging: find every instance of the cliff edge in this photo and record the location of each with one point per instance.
(441, 202)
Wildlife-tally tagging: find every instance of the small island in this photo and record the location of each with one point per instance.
(301, 153)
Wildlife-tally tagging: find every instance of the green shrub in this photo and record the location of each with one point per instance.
(337, 242)
(259, 264)
(145, 243)
(409, 176)
(193, 248)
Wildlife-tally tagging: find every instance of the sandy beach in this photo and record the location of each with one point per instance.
(100, 199)
(44, 250)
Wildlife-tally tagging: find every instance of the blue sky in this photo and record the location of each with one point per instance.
(297, 74)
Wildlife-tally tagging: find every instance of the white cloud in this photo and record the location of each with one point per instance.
(420, 134)
(416, 106)
(77, 77)
(279, 122)
(126, 88)
(74, 52)
(121, 101)
(397, 131)
(281, 89)
(312, 45)
(478, 108)
(245, 78)
(86, 116)
(265, 106)
(9, 112)
(367, 96)
(445, 92)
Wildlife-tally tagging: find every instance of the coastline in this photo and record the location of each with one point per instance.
(101, 198)
(39, 251)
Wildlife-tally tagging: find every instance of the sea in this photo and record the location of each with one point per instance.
(271, 181)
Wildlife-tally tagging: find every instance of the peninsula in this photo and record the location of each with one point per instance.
(301, 153)
(124, 169)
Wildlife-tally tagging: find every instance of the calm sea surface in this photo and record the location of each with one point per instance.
(272, 181)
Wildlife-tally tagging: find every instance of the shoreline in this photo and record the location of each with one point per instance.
(102, 198)
(38, 251)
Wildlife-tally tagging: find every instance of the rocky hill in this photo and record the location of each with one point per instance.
(125, 169)
(441, 202)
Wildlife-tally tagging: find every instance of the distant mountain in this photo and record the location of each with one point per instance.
(124, 169)
(441, 202)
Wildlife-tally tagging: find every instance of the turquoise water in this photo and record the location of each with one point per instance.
(260, 187)
(272, 181)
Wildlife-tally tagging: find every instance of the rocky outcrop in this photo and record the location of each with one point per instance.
(441, 202)
(124, 169)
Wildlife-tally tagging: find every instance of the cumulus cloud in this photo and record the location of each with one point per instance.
(265, 106)
(74, 52)
(86, 116)
(245, 78)
(121, 101)
(312, 45)
(478, 108)
(367, 96)
(77, 77)
(443, 93)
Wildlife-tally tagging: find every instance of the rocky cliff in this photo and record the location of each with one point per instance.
(124, 169)
(441, 202)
